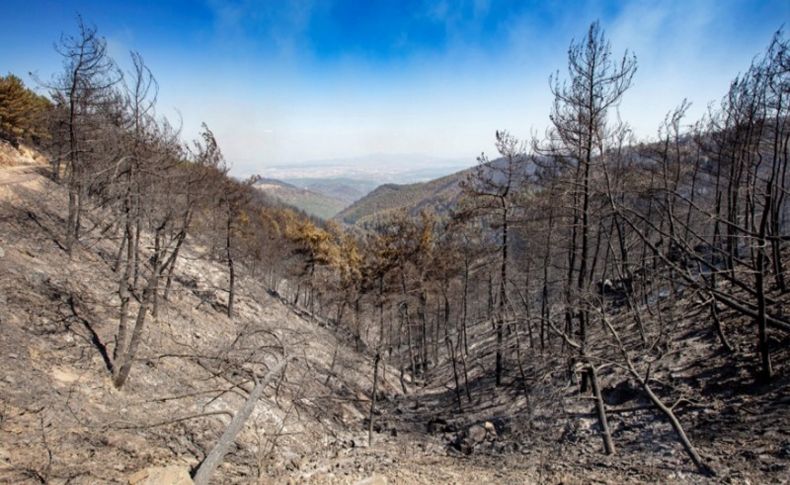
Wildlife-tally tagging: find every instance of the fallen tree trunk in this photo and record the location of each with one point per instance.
(695, 457)
(599, 405)
(702, 467)
(217, 454)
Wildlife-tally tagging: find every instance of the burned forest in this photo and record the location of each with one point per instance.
(581, 306)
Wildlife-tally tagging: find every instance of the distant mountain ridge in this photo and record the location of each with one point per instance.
(343, 189)
(439, 195)
(313, 203)
(325, 188)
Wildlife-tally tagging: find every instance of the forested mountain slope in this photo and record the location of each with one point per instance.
(441, 196)
(311, 202)
(438, 195)
(347, 190)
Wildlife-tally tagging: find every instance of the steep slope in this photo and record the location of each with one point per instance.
(311, 202)
(61, 419)
(542, 419)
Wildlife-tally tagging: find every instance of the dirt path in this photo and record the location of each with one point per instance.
(18, 174)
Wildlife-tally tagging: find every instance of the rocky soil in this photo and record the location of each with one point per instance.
(62, 421)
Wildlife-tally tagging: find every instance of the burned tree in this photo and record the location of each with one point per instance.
(578, 140)
(84, 86)
(490, 190)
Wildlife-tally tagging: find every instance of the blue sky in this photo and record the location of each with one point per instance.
(284, 82)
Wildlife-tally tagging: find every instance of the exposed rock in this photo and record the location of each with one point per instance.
(474, 436)
(374, 479)
(490, 428)
(170, 475)
(64, 375)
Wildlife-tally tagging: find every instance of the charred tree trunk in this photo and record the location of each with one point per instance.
(220, 449)
(231, 267)
(373, 397)
(601, 409)
(703, 468)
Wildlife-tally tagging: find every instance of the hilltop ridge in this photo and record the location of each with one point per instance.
(312, 203)
(438, 194)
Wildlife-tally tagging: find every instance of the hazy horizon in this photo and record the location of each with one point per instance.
(284, 84)
(381, 168)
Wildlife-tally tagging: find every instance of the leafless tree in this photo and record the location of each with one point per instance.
(88, 77)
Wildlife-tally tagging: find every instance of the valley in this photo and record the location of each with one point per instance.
(64, 422)
(584, 304)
